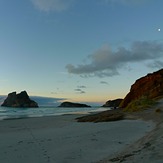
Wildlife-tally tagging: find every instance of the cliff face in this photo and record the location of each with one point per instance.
(19, 100)
(150, 86)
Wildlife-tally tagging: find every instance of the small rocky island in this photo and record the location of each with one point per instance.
(71, 104)
(19, 100)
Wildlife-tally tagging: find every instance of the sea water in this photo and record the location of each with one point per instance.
(11, 113)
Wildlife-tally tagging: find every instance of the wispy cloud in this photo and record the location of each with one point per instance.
(156, 64)
(105, 62)
(81, 86)
(2, 98)
(47, 101)
(80, 91)
(104, 82)
(125, 1)
(61, 5)
(52, 5)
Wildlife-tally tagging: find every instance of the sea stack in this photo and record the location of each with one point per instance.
(19, 100)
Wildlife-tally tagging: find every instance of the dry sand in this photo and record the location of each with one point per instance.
(148, 149)
(60, 139)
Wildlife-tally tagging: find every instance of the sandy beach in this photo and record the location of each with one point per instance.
(60, 139)
(149, 147)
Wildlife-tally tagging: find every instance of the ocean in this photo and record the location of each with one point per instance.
(11, 113)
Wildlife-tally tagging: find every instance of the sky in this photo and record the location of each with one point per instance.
(78, 50)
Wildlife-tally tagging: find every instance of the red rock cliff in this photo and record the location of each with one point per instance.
(150, 86)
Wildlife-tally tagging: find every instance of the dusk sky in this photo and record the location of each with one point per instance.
(79, 50)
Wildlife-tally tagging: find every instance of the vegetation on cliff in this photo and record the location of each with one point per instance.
(139, 104)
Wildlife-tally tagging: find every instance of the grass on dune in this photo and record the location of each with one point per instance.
(139, 104)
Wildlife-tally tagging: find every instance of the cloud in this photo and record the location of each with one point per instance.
(52, 5)
(126, 1)
(47, 101)
(80, 91)
(105, 62)
(156, 64)
(81, 86)
(2, 98)
(104, 82)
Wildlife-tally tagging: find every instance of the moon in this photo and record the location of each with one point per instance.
(158, 29)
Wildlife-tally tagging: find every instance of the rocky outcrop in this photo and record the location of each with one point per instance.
(19, 100)
(149, 86)
(113, 103)
(71, 104)
(105, 116)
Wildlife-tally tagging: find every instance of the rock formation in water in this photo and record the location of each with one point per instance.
(71, 104)
(149, 86)
(19, 100)
(113, 103)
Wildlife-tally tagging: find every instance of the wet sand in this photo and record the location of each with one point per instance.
(60, 139)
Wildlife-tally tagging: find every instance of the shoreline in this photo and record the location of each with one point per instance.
(20, 113)
(63, 139)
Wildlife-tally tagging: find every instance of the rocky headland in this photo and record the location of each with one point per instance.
(71, 104)
(113, 103)
(19, 100)
(144, 94)
(105, 116)
(148, 87)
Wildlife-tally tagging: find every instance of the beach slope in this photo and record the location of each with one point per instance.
(149, 147)
(63, 140)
